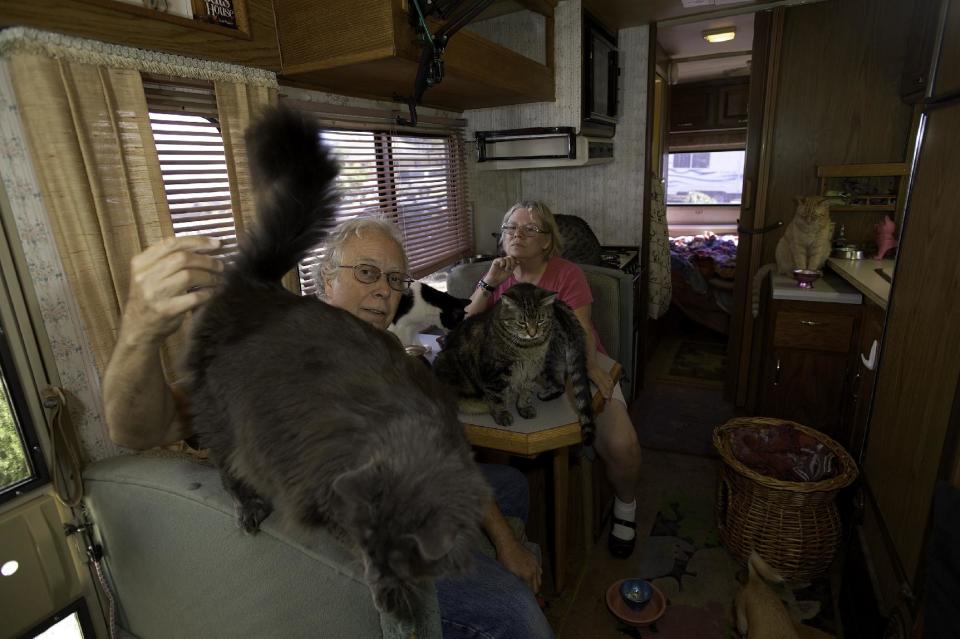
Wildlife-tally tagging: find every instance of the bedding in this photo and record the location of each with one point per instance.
(702, 269)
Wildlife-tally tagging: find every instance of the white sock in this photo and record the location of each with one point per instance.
(627, 512)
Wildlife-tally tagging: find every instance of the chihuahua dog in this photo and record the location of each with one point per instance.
(760, 612)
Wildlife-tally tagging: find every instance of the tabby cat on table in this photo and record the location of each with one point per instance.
(529, 342)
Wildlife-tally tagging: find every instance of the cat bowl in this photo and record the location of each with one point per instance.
(636, 593)
(648, 614)
(805, 279)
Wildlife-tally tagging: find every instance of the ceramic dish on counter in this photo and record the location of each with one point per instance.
(804, 278)
(852, 252)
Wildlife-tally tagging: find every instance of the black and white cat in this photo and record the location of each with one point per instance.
(309, 411)
(424, 306)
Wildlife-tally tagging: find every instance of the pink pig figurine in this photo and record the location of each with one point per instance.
(885, 239)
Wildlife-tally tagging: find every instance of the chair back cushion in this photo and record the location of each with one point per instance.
(180, 566)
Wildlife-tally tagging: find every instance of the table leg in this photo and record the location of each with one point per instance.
(586, 498)
(561, 480)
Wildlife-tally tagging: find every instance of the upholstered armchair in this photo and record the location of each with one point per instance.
(180, 567)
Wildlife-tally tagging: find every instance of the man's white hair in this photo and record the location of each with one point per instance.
(332, 257)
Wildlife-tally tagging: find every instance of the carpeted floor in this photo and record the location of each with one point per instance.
(679, 418)
(679, 550)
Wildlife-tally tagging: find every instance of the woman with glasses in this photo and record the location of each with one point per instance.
(363, 271)
(532, 246)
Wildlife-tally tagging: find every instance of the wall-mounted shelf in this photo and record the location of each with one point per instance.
(865, 187)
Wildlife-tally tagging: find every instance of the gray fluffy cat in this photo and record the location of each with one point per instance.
(527, 340)
(310, 411)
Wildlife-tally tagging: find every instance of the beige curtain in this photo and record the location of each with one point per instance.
(238, 105)
(89, 134)
(94, 156)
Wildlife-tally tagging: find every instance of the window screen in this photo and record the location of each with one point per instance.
(183, 116)
(705, 178)
(416, 181)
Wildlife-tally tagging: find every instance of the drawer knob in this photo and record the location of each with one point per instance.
(810, 323)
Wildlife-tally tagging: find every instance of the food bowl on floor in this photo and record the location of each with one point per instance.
(648, 614)
(636, 593)
(805, 278)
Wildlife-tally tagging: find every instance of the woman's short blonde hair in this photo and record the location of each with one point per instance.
(332, 257)
(544, 216)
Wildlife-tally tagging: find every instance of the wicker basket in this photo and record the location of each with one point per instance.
(794, 526)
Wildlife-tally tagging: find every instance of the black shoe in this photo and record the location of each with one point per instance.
(621, 548)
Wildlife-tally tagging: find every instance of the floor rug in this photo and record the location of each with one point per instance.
(684, 558)
(679, 418)
(689, 362)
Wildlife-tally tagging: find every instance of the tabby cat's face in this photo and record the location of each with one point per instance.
(527, 311)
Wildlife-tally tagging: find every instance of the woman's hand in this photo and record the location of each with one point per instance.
(602, 379)
(166, 281)
(500, 270)
(521, 562)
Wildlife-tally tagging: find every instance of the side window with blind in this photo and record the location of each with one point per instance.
(183, 116)
(416, 181)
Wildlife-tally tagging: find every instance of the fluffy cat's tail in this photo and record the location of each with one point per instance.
(293, 175)
(758, 278)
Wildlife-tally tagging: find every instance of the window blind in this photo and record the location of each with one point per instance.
(416, 181)
(183, 117)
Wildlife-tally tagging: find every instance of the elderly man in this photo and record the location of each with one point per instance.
(363, 272)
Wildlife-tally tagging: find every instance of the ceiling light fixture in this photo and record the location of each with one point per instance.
(723, 34)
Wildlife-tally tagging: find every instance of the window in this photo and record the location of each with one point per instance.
(21, 465)
(705, 178)
(416, 181)
(183, 116)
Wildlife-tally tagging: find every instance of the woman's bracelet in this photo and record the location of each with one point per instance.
(483, 286)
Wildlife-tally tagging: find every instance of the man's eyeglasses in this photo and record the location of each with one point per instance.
(523, 229)
(368, 274)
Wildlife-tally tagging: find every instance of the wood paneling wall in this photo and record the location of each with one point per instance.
(920, 362)
(608, 196)
(838, 100)
(138, 27)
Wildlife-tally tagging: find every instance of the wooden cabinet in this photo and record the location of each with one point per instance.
(807, 363)
(253, 43)
(368, 48)
(919, 55)
(865, 364)
(732, 103)
(691, 108)
(705, 106)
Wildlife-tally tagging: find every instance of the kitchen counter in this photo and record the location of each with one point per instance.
(862, 274)
(828, 288)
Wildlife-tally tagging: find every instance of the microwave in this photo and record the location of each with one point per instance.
(601, 72)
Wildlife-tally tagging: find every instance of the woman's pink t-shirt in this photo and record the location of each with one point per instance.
(564, 278)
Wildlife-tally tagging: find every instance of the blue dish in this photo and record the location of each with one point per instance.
(636, 593)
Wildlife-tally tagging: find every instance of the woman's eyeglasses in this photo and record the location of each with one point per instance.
(368, 274)
(523, 229)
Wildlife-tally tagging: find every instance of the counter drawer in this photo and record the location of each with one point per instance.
(815, 331)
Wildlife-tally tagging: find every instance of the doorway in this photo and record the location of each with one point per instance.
(701, 128)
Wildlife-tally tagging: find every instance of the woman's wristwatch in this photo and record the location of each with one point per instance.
(483, 286)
